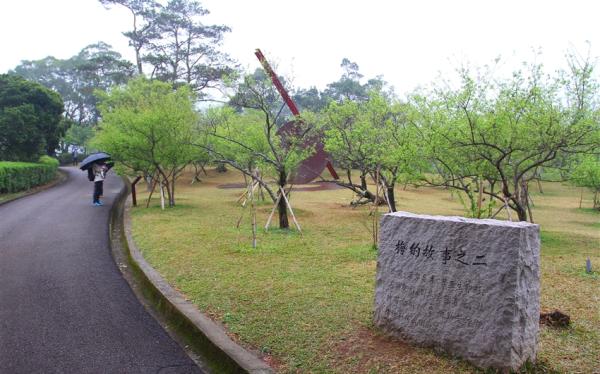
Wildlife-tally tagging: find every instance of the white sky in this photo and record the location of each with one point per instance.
(408, 42)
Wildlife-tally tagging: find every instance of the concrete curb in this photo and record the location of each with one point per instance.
(210, 340)
(57, 182)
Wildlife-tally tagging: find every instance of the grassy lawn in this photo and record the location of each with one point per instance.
(305, 302)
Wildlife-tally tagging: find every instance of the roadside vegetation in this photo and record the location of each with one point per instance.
(22, 176)
(305, 302)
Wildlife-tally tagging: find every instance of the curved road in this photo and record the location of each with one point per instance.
(64, 305)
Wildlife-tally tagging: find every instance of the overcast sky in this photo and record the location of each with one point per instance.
(408, 42)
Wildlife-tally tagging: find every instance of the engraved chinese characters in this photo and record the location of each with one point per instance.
(467, 287)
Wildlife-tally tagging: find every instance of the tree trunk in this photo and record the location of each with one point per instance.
(165, 181)
(391, 198)
(138, 61)
(149, 182)
(168, 188)
(363, 182)
(172, 194)
(521, 212)
(282, 208)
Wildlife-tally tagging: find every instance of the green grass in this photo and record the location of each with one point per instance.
(305, 301)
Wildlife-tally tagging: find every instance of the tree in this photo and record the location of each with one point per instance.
(95, 67)
(30, 116)
(142, 12)
(178, 47)
(147, 127)
(587, 174)
(349, 87)
(375, 138)
(184, 49)
(249, 139)
(311, 99)
(489, 137)
(77, 135)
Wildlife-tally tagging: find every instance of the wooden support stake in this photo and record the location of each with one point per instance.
(253, 212)
(249, 191)
(375, 211)
(290, 208)
(152, 190)
(272, 212)
(387, 199)
(162, 195)
(242, 195)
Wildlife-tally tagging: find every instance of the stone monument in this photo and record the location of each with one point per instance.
(468, 287)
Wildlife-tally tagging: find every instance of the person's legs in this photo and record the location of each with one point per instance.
(97, 191)
(101, 189)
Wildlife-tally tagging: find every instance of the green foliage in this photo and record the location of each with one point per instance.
(587, 174)
(376, 137)
(491, 136)
(179, 47)
(29, 119)
(349, 87)
(78, 135)
(147, 128)
(95, 67)
(236, 137)
(20, 176)
(47, 160)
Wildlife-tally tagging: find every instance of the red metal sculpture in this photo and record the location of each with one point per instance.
(314, 165)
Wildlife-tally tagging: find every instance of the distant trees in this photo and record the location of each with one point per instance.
(139, 36)
(30, 119)
(348, 88)
(176, 46)
(587, 174)
(95, 67)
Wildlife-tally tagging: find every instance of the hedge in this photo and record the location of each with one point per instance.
(20, 176)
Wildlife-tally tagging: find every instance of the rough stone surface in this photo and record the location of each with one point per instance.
(467, 287)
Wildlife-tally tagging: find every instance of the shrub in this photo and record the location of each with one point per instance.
(47, 160)
(20, 176)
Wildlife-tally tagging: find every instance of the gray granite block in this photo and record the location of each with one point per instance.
(468, 287)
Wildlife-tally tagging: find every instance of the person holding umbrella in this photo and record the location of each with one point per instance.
(97, 167)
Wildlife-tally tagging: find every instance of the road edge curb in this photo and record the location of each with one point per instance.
(209, 339)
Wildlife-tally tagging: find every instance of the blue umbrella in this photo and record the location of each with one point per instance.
(89, 160)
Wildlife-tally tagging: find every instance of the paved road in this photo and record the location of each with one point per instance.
(64, 306)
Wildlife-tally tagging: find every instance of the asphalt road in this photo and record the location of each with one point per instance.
(64, 306)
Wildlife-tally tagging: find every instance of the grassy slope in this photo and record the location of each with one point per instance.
(306, 301)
